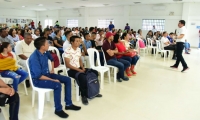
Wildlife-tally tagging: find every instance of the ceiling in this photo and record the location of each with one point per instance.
(66, 4)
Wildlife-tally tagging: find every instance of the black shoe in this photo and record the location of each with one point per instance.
(184, 69)
(61, 114)
(72, 107)
(125, 78)
(84, 100)
(99, 95)
(174, 58)
(28, 84)
(119, 80)
(173, 67)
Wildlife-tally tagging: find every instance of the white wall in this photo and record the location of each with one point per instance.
(18, 14)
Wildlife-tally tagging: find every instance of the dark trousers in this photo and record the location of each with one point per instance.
(171, 47)
(101, 58)
(82, 80)
(180, 47)
(14, 101)
(57, 87)
(132, 60)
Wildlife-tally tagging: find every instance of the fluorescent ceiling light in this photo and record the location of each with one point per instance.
(23, 6)
(40, 4)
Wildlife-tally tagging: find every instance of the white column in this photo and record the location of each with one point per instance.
(127, 10)
(185, 13)
(85, 17)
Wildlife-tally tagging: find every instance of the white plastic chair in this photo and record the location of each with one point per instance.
(41, 94)
(60, 67)
(150, 45)
(99, 68)
(159, 49)
(77, 87)
(139, 48)
(10, 80)
(110, 66)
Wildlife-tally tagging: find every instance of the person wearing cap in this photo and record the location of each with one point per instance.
(110, 50)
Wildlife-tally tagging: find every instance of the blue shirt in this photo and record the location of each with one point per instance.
(111, 26)
(64, 38)
(88, 44)
(170, 39)
(53, 35)
(38, 64)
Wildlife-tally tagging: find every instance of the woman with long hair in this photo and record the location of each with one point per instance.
(126, 54)
(8, 66)
(12, 35)
(19, 32)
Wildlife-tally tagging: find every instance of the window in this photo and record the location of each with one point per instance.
(104, 23)
(147, 24)
(48, 22)
(72, 23)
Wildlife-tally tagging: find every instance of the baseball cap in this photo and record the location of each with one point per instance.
(108, 34)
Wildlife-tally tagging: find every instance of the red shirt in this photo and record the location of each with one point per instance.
(9, 55)
(121, 48)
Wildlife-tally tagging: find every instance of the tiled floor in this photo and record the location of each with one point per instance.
(156, 93)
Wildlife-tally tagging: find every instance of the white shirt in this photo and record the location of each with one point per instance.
(74, 56)
(35, 36)
(98, 41)
(25, 49)
(66, 45)
(154, 30)
(182, 30)
(163, 41)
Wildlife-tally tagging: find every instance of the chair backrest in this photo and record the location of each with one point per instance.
(30, 77)
(57, 52)
(158, 45)
(65, 64)
(105, 63)
(91, 52)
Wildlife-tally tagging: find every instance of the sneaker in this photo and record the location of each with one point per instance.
(72, 107)
(61, 114)
(99, 95)
(119, 80)
(184, 69)
(84, 100)
(125, 78)
(173, 67)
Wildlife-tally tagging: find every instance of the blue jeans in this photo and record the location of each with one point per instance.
(121, 64)
(18, 76)
(187, 46)
(132, 60)
(57, 87)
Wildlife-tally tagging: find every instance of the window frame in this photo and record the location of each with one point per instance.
(104, 23)
(71, 24)
(147, 24)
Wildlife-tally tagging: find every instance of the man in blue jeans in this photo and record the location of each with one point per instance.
(44, 78)
(110, 50)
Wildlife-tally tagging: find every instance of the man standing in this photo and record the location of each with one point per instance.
(111, 26)
(154, 29)
(45, 78)
(180, 39)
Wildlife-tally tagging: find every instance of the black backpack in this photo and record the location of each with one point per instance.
(92, 83)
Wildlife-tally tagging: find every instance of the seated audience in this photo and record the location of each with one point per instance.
(12, 100)
(23, 50)
(67, 44)
(170, 37)
(36, 35)
(124, 53)
(87, 41)
(12, 35)
(19, 32)
(53, 35)
(4, 37)
(44, 78)
(99, 39)
(139, 35)
(58, 42)
(155, 36)
(48, 37)
(8, 66)
(187, 47)
(167, 45)
(91, 30)
(110, 50)
(74, 63)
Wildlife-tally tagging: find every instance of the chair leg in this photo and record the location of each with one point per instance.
(102, 77)
(25, 88)
(164, 55)
(77, 92)
(33, 97)
(109, 75)
(3, 111)
(40, 104)
(48, 96)
(115, 75)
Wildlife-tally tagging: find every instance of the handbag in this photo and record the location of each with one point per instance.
(130, 54)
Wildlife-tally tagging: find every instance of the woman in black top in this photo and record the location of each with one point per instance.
(58, 42)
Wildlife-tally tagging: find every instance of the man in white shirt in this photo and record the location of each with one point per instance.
(99, 39)
(24, 49)
(180, 39)
(73, 61)
(66, 44)
(154, 29)
(167, 45)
